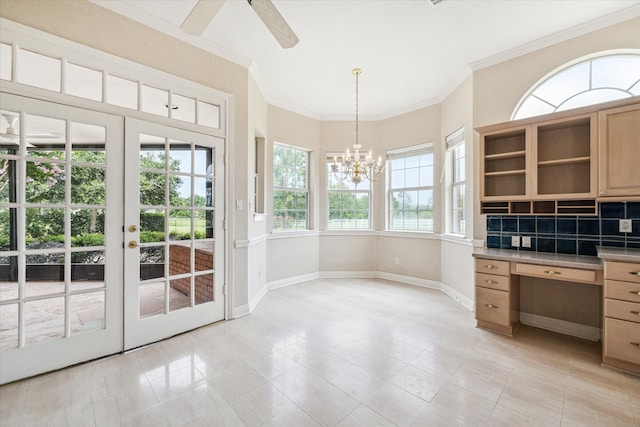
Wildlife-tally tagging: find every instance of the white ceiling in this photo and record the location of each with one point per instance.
(412, 53)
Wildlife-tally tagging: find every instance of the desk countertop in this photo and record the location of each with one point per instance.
(542, 258)
(562, 260)
(619, 254)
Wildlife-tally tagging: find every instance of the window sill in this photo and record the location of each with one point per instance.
(259, 217)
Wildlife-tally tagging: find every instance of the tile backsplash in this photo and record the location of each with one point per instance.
(568, 234)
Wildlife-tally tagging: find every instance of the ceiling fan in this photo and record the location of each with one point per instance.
(205, 10)
(12, 136)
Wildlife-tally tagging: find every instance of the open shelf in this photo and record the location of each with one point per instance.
(586, 207)
(568, 161)
(564, 158)
(506, 155)
(506, 173)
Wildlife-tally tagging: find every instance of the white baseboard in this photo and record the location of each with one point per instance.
(409, 280)
(457, 297)
(331, 274)
(281, 283)
(562, 326)
(257, 298)
(240, 311)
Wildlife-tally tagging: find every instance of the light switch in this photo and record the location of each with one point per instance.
(238, 205)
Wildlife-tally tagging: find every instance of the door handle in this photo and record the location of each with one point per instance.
(133, 228)
(133, 244)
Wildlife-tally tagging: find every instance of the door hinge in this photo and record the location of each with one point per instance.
(224, 224)
(224, 159)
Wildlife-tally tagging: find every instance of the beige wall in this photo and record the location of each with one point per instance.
(292, 257)
(499, 88)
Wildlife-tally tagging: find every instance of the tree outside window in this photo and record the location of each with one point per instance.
(290, 188)
(349, 206)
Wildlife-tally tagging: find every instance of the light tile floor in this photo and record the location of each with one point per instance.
(338, 352)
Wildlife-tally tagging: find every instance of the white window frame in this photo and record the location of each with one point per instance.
(293, 189)
(407, 152)
(535, 102)
(456, 216)
(352, 189)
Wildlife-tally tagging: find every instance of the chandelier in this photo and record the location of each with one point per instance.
(354, 167)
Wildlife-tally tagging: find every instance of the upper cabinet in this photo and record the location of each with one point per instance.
(565, 158)
(504, 166)
(619, 139)
(560, 164)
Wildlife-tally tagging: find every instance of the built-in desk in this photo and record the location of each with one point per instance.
(497, 280)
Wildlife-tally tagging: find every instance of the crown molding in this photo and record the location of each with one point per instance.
(559, 37)
(135, 14)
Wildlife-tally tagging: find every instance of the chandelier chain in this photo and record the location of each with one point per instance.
(357, 72)
(352, 167)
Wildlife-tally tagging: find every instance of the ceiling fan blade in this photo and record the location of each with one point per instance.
(201, 16)
(274, 22)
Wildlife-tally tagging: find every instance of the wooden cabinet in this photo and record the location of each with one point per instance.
(565, 158)
(619, 152)
(504, 164)
(543, 167)
(497, 297)
(621, 333)
(561, 163)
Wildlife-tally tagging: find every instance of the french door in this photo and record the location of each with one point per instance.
(174, 234)
(60, 236)
(111, 234)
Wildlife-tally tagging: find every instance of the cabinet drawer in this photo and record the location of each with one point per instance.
(621, 340)
(500, 268)
(622, 310)
(557, 273)
(492, 306)
(622, 290)
(492, 281)
(625, 271)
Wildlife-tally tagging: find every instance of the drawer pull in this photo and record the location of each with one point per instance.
(635, 312)
(635, 273)
(552, 273)
(490, 267)
(493, 282)
(636, 344)
(634, 292)
(490, 306)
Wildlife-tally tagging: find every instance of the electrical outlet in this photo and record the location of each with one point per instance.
(397, 260)
(526, 241)
(515, 241)
(625, 226)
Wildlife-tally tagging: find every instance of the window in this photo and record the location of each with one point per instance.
(410, 192)
(348, 205)
(258, 176)
(601, 79)
(455, 145)
(47, 72)
(290, 188)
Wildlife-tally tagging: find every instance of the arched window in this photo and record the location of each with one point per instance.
(606, 77)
